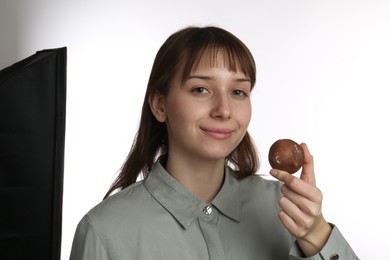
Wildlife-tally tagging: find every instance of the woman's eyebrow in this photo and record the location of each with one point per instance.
(200, 77)
(204, 77)
(242, 80)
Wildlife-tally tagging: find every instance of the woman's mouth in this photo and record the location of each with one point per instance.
(217, 133)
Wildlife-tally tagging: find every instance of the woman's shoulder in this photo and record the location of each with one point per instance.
(128, 202)
(260, 184)
(260, 195)
(260, 180)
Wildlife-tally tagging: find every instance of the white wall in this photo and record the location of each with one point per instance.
(323, 79)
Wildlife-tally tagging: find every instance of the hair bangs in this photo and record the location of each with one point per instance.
(217, 47)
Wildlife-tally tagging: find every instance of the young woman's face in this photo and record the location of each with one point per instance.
(208, 113)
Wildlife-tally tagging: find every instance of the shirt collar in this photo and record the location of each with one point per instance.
(186, 207)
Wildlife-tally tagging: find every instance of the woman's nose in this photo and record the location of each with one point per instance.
(221, 106)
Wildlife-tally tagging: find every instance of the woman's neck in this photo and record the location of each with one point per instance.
(202, 178)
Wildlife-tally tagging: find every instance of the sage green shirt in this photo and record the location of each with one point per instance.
(157, 218)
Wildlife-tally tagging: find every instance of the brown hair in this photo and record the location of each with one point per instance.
(186, 48)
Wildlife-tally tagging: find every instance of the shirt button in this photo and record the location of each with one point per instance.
(334, 257)
(207, 210)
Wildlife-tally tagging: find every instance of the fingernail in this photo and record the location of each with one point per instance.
(274, 172)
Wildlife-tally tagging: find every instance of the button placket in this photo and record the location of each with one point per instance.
(208, 225)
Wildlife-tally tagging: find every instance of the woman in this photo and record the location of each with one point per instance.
(200, 197)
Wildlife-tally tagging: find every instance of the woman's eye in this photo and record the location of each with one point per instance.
(238, 92)
(200, 90)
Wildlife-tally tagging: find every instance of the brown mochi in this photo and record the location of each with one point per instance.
(286, 155)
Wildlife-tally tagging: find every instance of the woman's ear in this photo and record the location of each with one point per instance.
(156, 103)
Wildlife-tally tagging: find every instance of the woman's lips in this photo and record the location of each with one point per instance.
(217, 133)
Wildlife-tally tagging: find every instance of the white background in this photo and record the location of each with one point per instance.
(323, 79)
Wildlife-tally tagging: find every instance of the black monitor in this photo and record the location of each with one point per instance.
(32, 136)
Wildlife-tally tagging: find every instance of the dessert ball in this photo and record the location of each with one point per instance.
(286, 155)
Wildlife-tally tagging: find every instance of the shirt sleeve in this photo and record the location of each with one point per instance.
(86, 243)
(335, 248)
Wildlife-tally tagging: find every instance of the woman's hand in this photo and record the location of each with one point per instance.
(301, 207)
